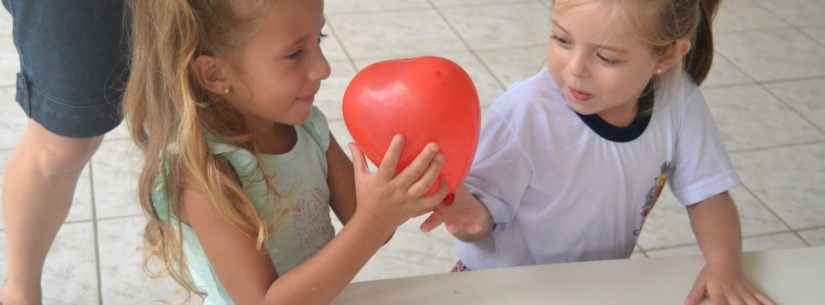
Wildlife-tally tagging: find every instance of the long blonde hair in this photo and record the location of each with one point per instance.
(169, 116)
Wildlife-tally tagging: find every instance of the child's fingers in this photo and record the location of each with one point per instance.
(697, 293)
(358, 162)
(733, 299)
(763, 299)
(717, 297)
(433, 201)
(387, 167)
(426, 181)
(748, 298)
(423, 161)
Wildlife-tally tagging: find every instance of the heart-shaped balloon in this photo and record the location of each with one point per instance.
(425, 99)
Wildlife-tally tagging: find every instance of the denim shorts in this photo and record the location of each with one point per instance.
(73, 63)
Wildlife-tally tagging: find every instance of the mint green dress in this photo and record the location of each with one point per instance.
(301, 205)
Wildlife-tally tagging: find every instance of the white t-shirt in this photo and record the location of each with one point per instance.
(563, 187)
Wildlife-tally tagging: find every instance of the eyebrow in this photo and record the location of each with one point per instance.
(301, 39)
(606, 47)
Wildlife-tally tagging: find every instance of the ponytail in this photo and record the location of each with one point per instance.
(700, 58)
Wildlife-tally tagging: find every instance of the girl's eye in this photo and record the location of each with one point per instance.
(561, 41)
(607, 60)
(295, 55)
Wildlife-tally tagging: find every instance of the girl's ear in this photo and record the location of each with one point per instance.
(212, 74)
(673, 55)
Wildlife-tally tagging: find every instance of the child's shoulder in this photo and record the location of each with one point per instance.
(680, 97)
(318, 128)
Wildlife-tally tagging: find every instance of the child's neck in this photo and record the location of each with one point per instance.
(273, 138)
(621, 116)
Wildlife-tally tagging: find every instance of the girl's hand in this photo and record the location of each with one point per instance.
(387, 200)
(467, 218)
(725, 285)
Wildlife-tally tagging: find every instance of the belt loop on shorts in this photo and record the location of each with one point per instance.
(23, 95)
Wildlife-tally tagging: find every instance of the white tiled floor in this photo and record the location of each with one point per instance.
(766, 91)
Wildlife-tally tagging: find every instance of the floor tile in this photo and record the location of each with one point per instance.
(789, 180)
(70, 272)
(14, 119)
(116, 169)
(774, 54)
(806, 97)
(501, 26)
(350, 6)
(668, 224)
(797, 12)
(750, 117)
(725, 73)
(514, 65)
(762, 243)
(123, 279)
(814, 237)
(400, 33)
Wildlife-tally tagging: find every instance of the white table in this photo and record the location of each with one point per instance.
(790, 277)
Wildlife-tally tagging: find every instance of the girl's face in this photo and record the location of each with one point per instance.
(276, 73)
(598, 60)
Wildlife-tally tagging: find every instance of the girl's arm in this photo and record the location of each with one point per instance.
(716, 225)
(715, 222)
(249, 276)
(386, 200)
(341, 182)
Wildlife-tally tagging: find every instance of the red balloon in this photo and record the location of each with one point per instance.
(425, 99)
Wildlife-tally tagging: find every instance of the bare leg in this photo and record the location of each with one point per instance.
(38, 187)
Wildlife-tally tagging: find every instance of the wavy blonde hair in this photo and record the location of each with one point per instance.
(169, 116)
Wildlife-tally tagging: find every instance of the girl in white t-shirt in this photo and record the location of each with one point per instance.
(571, 161)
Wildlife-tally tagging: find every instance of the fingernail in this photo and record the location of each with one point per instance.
(434, 147)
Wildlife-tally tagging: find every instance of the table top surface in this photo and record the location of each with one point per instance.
(789, 277)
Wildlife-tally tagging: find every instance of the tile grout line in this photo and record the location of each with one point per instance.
(419, 9)
(763, 84)
(656, 249)
(102, 219)
(467, 45)
(753, 83)
(765, 87)
(774, 147)
(95, 235)
(642, 250)
(814, 228)
(767, 207)
(791, 24)
(378, 11)
(794, 110)
(717, 51)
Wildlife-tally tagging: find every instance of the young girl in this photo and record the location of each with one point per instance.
(571, 160)
(241, 170)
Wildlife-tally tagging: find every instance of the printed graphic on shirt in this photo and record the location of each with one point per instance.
(659, 184)
(653, 194)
